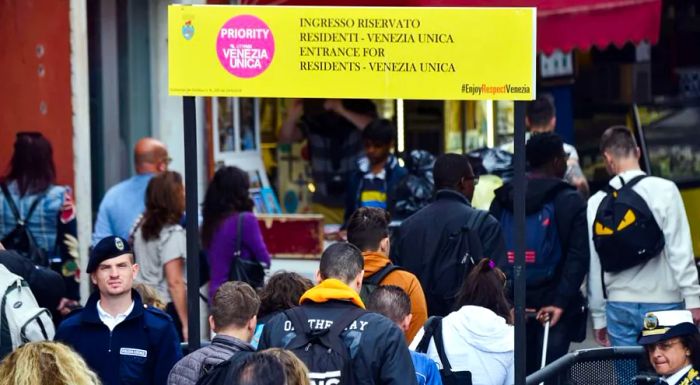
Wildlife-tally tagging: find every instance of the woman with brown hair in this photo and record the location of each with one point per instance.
(45, 362)
(29, 194)
(296, 372)
(160, 245)
(478, 336)
(282, 291)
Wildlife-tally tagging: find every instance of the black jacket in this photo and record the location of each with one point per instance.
(570, 215)
(422, 235)
(377, 346)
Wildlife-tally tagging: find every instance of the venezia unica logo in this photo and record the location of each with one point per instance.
(245, 46)
(188, 30)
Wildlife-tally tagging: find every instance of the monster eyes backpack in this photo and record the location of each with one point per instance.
(625, 233)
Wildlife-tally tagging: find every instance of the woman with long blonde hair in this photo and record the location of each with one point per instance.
(46, 363)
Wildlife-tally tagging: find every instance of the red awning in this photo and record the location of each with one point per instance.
(561, 24)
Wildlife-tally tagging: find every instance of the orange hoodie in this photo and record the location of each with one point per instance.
(375, 261)
(330, 289)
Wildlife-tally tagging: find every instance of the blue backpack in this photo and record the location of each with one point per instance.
(542, 246)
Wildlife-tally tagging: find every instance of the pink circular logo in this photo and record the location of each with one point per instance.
(245, 46)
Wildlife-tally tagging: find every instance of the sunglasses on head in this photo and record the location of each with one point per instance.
(29, 134)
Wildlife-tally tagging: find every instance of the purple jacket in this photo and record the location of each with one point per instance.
(223, 244)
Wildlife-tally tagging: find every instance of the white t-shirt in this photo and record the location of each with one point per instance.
(152, 256)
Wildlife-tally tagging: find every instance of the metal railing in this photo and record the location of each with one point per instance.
(601, 366)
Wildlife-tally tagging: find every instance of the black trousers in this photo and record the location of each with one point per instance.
(559, 342)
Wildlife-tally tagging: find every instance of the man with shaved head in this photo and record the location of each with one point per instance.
(124, 202)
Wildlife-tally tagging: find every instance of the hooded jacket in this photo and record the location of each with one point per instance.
(479, 341)
(570, 218)
(377, 347)
(375, 261)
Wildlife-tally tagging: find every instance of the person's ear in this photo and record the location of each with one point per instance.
(319, 278)
(637, 152)
(93, 278)
(553, 122)
(252, 324)
(607, 157)
(357, 282)
(527, 122)
(212, 324)
(135, 270)
(406, 323)
(384, 245)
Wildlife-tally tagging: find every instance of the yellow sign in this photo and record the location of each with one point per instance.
(334, 52)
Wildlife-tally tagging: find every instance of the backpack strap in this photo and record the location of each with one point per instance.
(609, 189)
(378, 277)
(301, 324)
(632, 181)
(213, 374)
(428, 331)
(440, 347)
(13, 206)
(475, 221)
(332, 338)
(327, 337)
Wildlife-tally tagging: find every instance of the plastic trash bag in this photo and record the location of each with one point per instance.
(415, 190)
(492, 161)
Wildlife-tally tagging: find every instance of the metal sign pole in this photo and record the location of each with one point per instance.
(189, 114)
(520, 183)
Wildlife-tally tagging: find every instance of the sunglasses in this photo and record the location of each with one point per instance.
(29, 134)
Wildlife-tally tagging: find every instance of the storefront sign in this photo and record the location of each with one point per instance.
(326, 52)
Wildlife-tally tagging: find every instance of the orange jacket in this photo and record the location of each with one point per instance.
(375, 261)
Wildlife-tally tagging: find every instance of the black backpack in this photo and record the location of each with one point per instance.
(452, 263)
(20, 239)
(625, 233)
(370, 284)
(323, 351)
(223, 372)
(433, 329)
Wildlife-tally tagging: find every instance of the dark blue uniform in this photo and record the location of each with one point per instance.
(140, 350)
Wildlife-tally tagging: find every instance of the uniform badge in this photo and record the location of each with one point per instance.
(651, 322)
(119, 244)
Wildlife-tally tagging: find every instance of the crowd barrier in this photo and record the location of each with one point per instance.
(601, 366)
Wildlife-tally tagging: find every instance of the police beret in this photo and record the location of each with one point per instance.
(664, 325)
(105, 249)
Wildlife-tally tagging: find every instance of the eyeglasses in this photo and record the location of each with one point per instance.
(664, 346)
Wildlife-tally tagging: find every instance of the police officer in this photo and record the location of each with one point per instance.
(120, 338)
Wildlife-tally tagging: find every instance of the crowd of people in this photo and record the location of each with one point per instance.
(428, 302)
